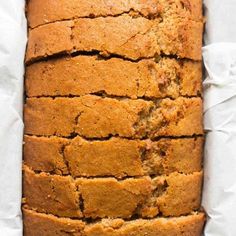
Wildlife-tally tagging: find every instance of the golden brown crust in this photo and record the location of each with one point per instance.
(47, 225)
(83, 75)
(44, 154)
(191, 225)
(36, 224)
(51, 194)
(41, 12)
(113, 35)
(95, 117)
(113, 198)
(51, 39)
(115, 157)
(190, 76)
(182, 195)
(172, 195)
(115, 133)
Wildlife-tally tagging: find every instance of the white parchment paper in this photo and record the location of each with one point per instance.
(219, 194)
(12, 50)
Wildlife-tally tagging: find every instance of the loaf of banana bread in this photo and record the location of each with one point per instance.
(113, 138)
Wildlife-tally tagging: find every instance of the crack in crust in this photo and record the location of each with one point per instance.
(116, 157)
(35, 223)
(99, 119)
(42, 12)
(132, 38)
(172, 195)
(111, 162)
(83, 75)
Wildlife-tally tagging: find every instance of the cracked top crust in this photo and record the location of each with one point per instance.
(128, 37)
(95, 117)
(41, 12)
(83, 75)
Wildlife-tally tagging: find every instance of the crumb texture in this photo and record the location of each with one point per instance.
(113, 138)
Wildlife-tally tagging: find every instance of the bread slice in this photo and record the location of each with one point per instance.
(114, 157)
(82, 75)
(47, 11)
(172, 195)
(36, 223)
(125, 36)
(95, 117)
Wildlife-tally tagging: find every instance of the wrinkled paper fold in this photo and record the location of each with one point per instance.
(12, 50)
(219, 198)
(219, 54)
(219, 195)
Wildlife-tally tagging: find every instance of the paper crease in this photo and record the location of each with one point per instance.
(12, 50)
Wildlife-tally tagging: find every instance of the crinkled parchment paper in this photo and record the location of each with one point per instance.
(219, 197)
(12, 49)
(219, 194)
